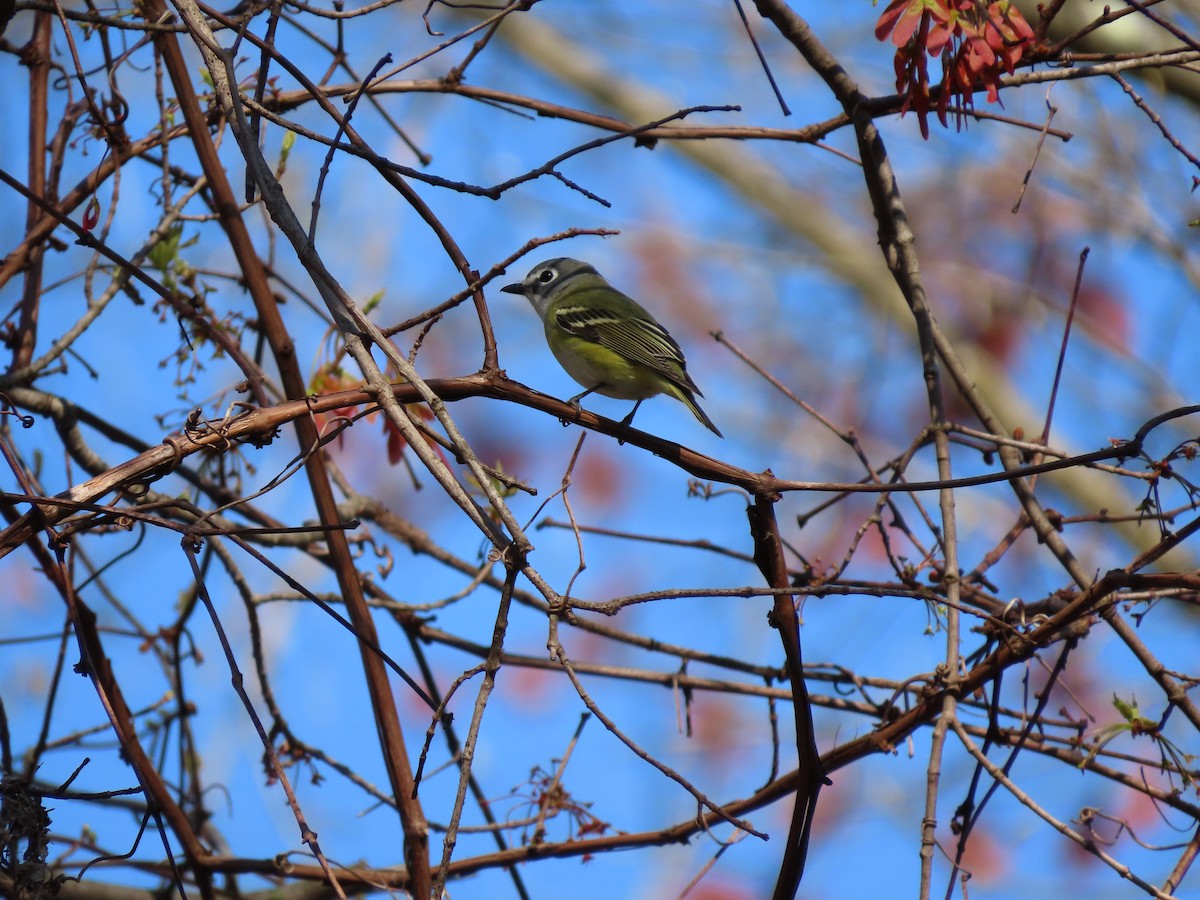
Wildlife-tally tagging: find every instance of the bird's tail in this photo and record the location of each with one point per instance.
(690, 402)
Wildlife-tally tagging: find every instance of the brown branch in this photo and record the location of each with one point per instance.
(769, 556)
(383, 702)
(37, 59)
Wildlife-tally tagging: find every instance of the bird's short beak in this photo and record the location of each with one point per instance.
(513, 289)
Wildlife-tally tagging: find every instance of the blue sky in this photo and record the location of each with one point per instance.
(703, 258)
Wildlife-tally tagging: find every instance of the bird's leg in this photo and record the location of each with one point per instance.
(628, 420)
(574, 404)
(574, 401)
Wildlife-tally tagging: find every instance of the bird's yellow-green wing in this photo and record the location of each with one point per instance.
(637, 337)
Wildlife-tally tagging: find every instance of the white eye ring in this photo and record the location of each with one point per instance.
(547, 275)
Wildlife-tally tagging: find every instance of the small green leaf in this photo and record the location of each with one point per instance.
(163, 253)
(373, 301)
(1129, 711)
(285, 150)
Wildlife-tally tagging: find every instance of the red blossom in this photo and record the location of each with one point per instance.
(976, 44)
(331, 378)
(900, 21)
(91, 214)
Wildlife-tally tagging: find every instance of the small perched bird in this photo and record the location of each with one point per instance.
(605, 340)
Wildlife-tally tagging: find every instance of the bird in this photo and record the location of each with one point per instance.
(606, 340)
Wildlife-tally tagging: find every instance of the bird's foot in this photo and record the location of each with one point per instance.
(573, 402)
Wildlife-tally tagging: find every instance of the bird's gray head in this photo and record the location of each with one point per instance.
(548, 279)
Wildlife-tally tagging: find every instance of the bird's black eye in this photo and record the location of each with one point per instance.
(546, 276)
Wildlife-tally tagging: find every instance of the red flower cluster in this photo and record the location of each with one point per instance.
(977, 41)
(331, 378)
